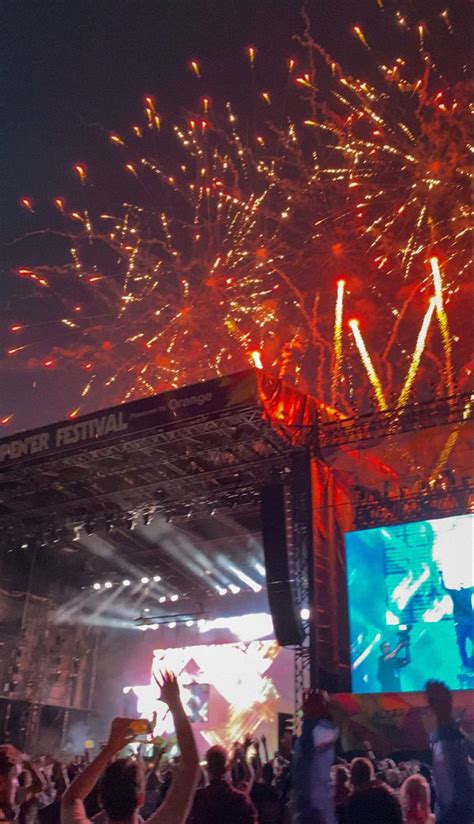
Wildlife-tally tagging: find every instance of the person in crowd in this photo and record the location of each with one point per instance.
(315, 752)
(220, 802)
(415, 799)
(8, 783)
(362, 774)
(450, 749)
(425, 771)
(30, 788)
(122, 787)
(341, 792)
(241, 772)
(265, 797)
(373, 805)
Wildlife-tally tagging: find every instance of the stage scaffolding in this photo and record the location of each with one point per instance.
(204, 449)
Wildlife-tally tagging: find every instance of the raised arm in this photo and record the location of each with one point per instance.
(180, 795)
(394, 652)
(37, 784)
(72, 806)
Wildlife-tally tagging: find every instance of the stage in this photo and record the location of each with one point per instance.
(135, 538)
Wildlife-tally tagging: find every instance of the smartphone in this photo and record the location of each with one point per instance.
(140, 726)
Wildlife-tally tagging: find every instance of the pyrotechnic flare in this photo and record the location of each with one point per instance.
(367, 361)
(337, 340)
(415, 361)
(443, 322)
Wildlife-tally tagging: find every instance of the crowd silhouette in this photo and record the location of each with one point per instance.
(304, 782)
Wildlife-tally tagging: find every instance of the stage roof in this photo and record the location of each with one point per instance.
(192, 460)
(182, 453)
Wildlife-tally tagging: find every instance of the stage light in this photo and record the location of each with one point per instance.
(304, 614)
(145, 580)
(245, 578)
(201, 622)
(108, 585)
(260, 569)
(157, 578)
(24, 545)
(162, 599)
(172, 624)
(189, 623)
(154, 626)
(222, 591)
(174, 598)
(147, 609)
(234, 589)
(125, 582)
(96, 586)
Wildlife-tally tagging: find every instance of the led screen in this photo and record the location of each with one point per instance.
(411, 597)
(229, 690)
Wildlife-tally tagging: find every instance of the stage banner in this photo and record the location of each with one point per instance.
(394, 722)
(293, 415)
(134, 419)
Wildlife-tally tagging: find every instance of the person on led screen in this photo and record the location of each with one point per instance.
(411, 599)
(456, 576)
(390, 664)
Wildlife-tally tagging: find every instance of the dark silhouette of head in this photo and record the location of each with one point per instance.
(217, 762)
(8, 780)
(121, 789)
(375, 805)
(440, 700)
(362, 773)
(267, 773)
(341, 775)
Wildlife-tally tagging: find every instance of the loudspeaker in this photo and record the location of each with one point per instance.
(285, 615)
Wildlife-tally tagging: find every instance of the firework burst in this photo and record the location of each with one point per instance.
(228, 246)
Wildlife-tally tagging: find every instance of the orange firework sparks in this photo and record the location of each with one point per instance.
(195, 67)
(81, 171)
(231, 245)
(360, 34)
(251, 53)
(27, 203)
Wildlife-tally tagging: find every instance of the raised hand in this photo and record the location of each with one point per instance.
(169, 689)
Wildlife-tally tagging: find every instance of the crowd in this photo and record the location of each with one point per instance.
(304, 783)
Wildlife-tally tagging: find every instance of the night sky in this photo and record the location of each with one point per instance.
(74, 70)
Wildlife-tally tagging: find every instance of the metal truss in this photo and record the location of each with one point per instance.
(380, 424)
(211, 463)
(443, 499)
